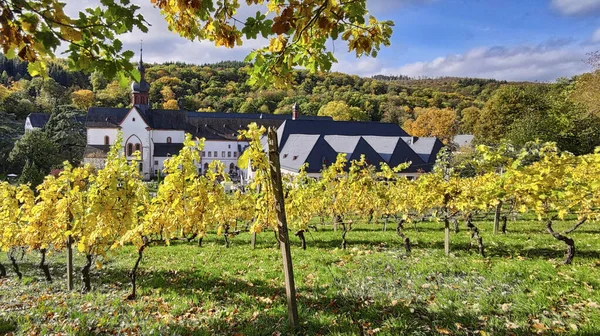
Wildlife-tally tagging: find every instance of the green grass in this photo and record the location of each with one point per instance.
(372, 287)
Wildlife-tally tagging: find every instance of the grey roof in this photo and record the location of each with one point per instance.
(105, 117)
(40, 120)
(383, 145)
(211, 126)
(142, 86)
(330, 127)
(342, 143)
(322, 150)
(426, 147)
(379, 142)
(296, 150)
(166, 149)
(462, 140)
(252, 116)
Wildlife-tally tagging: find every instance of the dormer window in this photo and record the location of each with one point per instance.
(106, 140)
(168, 139)
(294, 157)
(285, 155)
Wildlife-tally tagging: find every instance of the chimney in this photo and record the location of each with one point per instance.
(295, 111)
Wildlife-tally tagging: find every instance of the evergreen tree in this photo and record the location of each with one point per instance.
(31, 174)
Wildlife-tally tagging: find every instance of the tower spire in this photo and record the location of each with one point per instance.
(141, 50)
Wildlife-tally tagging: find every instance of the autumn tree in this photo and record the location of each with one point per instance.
(440, 123)
(508, 104)
(339, 110)
(82, 99)
(171, 104)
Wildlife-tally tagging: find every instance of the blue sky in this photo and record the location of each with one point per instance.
(534, 40)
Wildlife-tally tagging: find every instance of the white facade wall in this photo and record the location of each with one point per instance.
(135, 130)
(160, 136)
(95, 136)
(28, 126)
(226, 152)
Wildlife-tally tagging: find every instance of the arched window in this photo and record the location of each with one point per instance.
(137, 147)
(106, 140)
(129, 149)
(168, 139)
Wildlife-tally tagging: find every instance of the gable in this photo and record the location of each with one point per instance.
(133, 117)
(371, 156)
(404, 153)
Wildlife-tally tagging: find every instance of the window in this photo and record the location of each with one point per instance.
(209, 153)
(294, 157)
(132, 119)
(129, 149)
(106, 140)
(156, 162)
(222, 153)
(168, 139)
(229, 154)
(202, 154)
(140, 167)
(216, 154)
(285, 155)
(234, 154)
(228, 146)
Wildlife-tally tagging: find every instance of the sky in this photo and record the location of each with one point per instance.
(515, 40)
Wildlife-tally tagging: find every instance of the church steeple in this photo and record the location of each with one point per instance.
(139, 91)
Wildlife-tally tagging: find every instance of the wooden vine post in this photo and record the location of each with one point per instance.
(284, 241)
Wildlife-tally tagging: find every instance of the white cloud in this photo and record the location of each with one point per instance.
(544, 62)
(576, 7)
(596, 36)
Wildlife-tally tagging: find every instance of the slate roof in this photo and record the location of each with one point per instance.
(38, 119)
(212, 126)
(461, 140)
(426, 147)
(322, 150)
(165, 149)
(330, 127)
(297, 150)
(105, 117)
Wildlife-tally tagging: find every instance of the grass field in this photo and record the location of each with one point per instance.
(373, 287)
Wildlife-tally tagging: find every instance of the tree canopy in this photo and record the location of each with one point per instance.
(297, 32)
